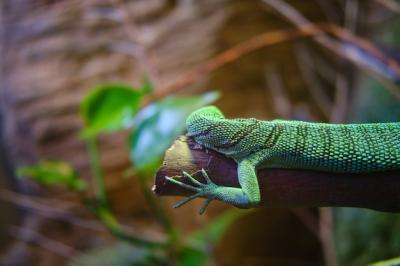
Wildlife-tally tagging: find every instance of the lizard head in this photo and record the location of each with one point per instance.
(209, 127)
(202, 119)
(203, 123)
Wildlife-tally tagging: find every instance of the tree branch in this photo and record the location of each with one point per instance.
(282, 187)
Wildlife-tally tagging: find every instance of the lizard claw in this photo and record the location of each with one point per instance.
(201, 189)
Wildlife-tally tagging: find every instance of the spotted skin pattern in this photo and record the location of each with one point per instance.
(255, 144)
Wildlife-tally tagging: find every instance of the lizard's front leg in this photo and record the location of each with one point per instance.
(245, 197)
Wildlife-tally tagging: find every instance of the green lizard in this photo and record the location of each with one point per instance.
(254, 144)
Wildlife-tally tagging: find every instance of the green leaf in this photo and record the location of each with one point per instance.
(189, 256)
(109, 108)
(158, 125)
(215, 228)
(53, 173)
(197, 245)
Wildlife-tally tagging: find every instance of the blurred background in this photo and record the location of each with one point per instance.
(93, 92)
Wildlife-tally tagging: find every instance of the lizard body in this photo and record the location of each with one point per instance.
(255, 144)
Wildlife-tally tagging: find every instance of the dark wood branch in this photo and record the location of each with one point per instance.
(282, 187)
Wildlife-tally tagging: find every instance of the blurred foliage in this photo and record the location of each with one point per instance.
(374, 103)
(213, 231)
(112, 107)
(391, 262)
(53, 173)
(189, 256)
(119, 254)
(363, 236)
(200, 242)
(161, 122)
(194, 252)
(147, 86)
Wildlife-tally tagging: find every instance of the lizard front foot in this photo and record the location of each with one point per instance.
(211, 191)
(203, 190)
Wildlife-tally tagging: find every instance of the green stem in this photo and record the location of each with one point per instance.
(158, 211)
(100, 207)
(112, 224)
(98, 178)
